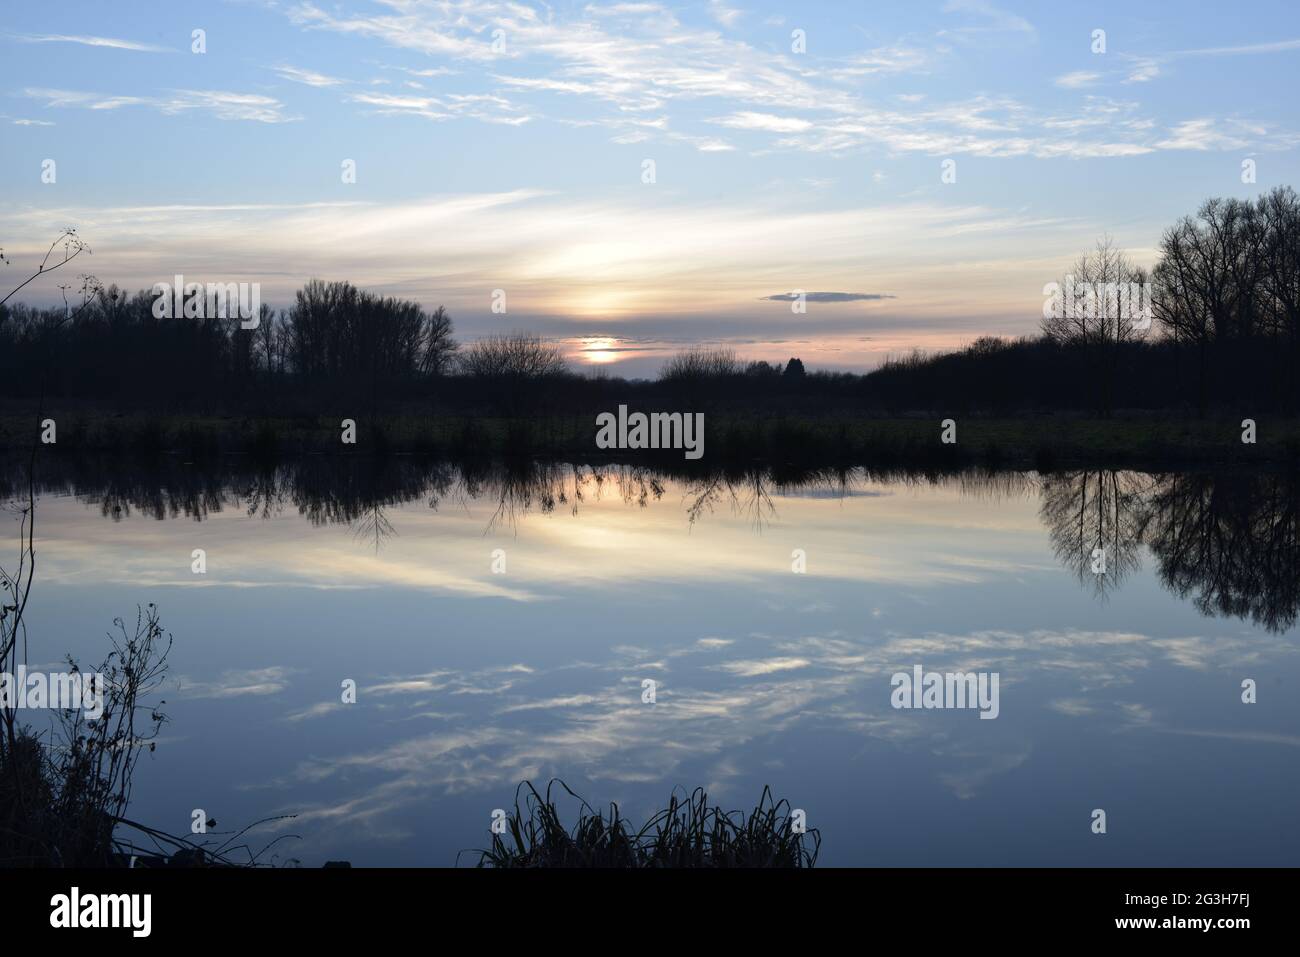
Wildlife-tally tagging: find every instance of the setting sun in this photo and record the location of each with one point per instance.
(599, 351)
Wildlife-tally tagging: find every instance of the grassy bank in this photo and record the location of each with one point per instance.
(1043, 442)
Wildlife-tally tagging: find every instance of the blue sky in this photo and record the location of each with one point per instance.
(519, 166)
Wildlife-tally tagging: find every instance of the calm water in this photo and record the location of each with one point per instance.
(1120, 692)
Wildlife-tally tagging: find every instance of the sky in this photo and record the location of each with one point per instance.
(510, 146)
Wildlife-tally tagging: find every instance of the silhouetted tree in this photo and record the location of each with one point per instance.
(705, 362)
(1228, 277)
(516, 356)
(439, 347)
(513, 368)
(1099, 307)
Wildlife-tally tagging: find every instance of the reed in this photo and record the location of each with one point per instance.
(689, 832)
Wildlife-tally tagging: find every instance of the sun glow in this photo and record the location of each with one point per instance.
(599, 351)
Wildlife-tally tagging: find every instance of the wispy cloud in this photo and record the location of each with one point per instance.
(319, 710)
(546, 704)
(410, 31)
(881, 61)
(1148, 66)
(389, 103)
(765, 666)
(1077, 79)
(987, 19)
(725, 15)
(1202, 134)
(749, 120)
(238, 684)
(220, 103)
(638, 59)
(565, 256)
(486, 107)
(624, 9)
(306, 77)
(90, 41)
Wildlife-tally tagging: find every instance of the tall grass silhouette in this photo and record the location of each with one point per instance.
(689, 832)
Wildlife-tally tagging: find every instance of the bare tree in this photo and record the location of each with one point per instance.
(516, 356)
(1226, 275)
(1101, 306)
(705, 362)
(1100, 301)
(338, 333)
(1278, 217)
(438, 349)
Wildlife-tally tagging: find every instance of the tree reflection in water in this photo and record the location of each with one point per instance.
(1228, 542)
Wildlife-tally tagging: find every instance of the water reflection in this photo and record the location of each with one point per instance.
(1096, 520)
(1231, 543)
(1228, 542)
(1118, 693)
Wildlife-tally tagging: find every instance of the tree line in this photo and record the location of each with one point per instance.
(1215, 324)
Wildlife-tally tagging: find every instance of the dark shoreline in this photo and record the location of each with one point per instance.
(1040, 442)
